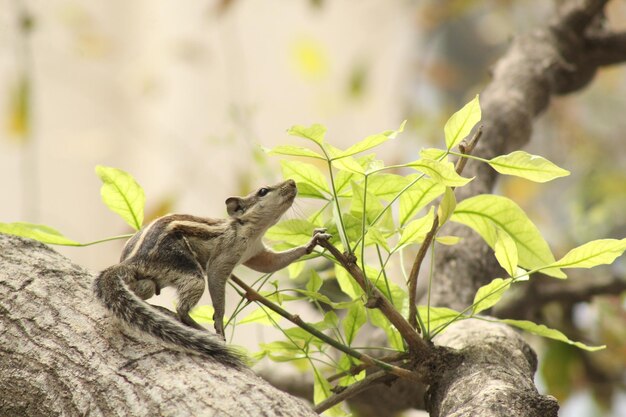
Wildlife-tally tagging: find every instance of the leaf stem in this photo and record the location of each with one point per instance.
(126, 236)
(252, 295)
(342, 228)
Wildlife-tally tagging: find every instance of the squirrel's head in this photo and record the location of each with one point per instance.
(265, 205)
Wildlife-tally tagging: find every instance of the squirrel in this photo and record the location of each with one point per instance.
(179, 251)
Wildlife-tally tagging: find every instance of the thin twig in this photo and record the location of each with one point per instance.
(416, 344)
(253, 295)
(466, 149)
(362, 367)
(415, 269)
(351, 391)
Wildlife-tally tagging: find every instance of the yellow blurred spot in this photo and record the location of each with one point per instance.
(18, 122)
(309, 58)
(524, 192)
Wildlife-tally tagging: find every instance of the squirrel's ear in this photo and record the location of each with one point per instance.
(234, 205)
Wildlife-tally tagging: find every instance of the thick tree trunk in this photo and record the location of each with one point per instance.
(62, 354)
(496, 378)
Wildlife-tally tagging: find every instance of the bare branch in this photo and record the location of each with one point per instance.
(417, 345)
(352, 390)
(466, 148)
(577, 15)
(607, 49)
(542, 290)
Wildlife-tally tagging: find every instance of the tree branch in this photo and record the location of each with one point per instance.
(466, 148)
(62, 354)
(549, 61)
(418, 347)
(607, 49)
(253, 295)
(542, 290)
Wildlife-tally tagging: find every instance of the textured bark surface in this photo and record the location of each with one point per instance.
(549, 61)
(61, 354)
(495, 377)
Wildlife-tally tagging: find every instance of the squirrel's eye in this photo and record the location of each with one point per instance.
(263, 192)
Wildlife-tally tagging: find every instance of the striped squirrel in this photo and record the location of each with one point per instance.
(179, 250)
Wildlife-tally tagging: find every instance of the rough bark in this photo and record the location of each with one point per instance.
(549, 61)
(62, 354)
(496, 378)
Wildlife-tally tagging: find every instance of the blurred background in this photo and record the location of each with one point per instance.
(183, 95)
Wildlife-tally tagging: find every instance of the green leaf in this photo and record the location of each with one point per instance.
(434, 154)
(347, 283)
(506, 252)
(306, 175)
(435, 317)
(379, 320)
(331, 321)
(315, 132)
(442, 172)
(321, 387)
(303, 336)
(295, 232)
(349, 164)
(342, 182)
(203, 314)
(38, 232)
(375, 237)
(417, 197)
(485, 213)
(448, 240)
(352, 322)
(416, 231)
(122, 194)
(371, 141)
(488, 295)
(282, 351)
(348, 229)
(541, 330)
(392, 291)
(315, 282)
(291, 150)
(262, 316)
(386, 186)
(344, 365)
(373, 204)
(524, 165)
(316, 296)
(594, 253)
(447, 206)
(295, 269)
(461, 123)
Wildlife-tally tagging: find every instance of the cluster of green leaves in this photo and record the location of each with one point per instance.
(379, 214)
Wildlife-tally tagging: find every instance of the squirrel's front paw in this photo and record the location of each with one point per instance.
(318, 235)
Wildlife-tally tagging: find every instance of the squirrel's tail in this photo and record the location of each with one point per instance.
(110, 289)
